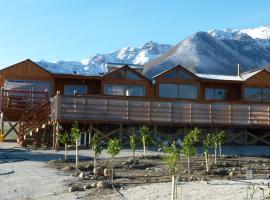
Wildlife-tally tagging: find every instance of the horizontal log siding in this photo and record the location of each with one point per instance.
(150, 111)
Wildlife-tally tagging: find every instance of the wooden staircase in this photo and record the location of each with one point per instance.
(31, 111)
(32, 122)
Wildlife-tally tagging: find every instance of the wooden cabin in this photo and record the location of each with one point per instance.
(124, 98)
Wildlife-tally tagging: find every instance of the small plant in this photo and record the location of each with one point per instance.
(207, 144)
(170, 158)
(114, 147)
(188, 145)
(220, 139)
(75, 132)
(145, 136)
(66, 140)
(97, 148)
(214, 145)
(133, 142)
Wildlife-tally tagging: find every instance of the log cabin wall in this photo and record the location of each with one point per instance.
(120, 77)
(234, 89)
(25, 70)
(93, 84)
(174, 76)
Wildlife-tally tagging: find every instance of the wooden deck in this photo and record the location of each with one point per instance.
(102, 109)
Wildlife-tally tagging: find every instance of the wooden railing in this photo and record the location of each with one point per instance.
(34, 119)
(22, 100)
(152, 111)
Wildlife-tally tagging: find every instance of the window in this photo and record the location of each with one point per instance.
(114, 90)
(182, 91)
(188, 91)
(178, 74)
(124, 74)
(29, 85)
(80, 89)
(134, 90)
(257, 94)
(120, 74)
(171, 75)
(266, 94)
(124, 90)
(168, 90)
(184, 75)
(216, 93)
(132, 76)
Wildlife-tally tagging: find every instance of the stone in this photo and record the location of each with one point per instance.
(231, 173)
(98, 171)
(103, 184)
(107, 172)
(93, 185)
(87, 187)
(73, 189)
(82, 175)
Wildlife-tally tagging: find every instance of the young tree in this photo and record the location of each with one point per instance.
(207, 144)
(75, 132)
(171, 157)
(97, 148)
(145, 138)
(220, 139)
(188, 145)
(66, 140)
(133, 142)
(114, 147)
(214, 144)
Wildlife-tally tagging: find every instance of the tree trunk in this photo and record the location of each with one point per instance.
(144, 149)
(220, 149)
(215, 156)
(134, 155)
(77, 155)
(95, 165)
(188, 162)
(65, 152)
(173, 187)
(206, 161)
(112, 172)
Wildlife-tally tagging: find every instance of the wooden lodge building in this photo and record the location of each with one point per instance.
(43, 103)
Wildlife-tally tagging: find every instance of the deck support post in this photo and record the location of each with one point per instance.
(246, 137)
(155, 131)
(90, 129)
(54, 130)
(57, 132)
(2, 122)
(121, 132)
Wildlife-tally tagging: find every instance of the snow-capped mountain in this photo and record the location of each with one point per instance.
(213, 52)
(97, 63)
(217, 52)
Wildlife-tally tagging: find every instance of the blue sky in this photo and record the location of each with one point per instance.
(76, 29)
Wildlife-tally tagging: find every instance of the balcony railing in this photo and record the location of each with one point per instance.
(104, 109)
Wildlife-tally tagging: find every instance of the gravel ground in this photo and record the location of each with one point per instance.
(32, 179)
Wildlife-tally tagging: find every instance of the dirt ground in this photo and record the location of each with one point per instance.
(151, 169)
(42, 174)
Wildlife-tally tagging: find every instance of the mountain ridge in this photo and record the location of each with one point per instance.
(214, 51)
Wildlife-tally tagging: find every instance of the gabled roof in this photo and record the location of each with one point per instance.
(219, 77)
(126, 67)
(248, 74)
(27, 60)
(173, 68)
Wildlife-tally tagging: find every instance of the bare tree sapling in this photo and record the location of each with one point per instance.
(171, 157)
(114, 147)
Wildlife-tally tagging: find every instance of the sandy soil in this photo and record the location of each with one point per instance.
(33, 179)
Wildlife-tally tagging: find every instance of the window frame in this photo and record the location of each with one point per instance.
(262, 89)
(178, 88)
(124, 86)
(76, 85)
